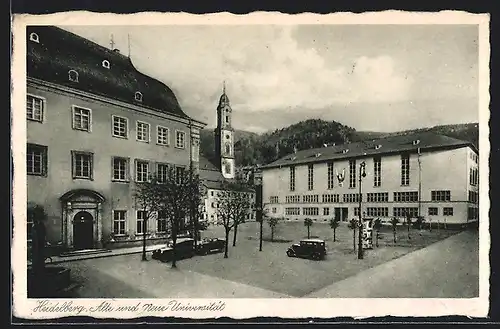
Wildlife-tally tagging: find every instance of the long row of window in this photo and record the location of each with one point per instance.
(407, 196)
(82, 120)
(82, 164)
(120, 222)
(401, 212)
(332, 175)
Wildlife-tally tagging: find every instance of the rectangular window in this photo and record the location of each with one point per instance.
(120, 126)
(34, 108)
(310, 177)
(119, 220)
(162, 135)
(377, 212)
(180, 137)
(377, 197)
(310, 211)
(405, 211)
(162, 172)
(473, 176)
(448, 211)
(82, 164)
(292, 211)
(292, 178)
(179, 174)
(29, 225)
(120, 169)
(352, 173)
(377, 171)
(356, 211)
(326, 211)
(142, 129)
(405, 170)
(433, 211)
(440, 196)
(351, 197)
(141, 171)
(411, 196)
(331, 175)
(36, 160)
(273, 199)
(82, 118)
(314, 198)
(161, 222)
(140, 220)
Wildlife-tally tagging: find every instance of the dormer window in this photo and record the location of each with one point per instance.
(34, 37)
(377, 147)
(317, 155)
(416, 142)
(105, 64)
(345, 151)
(73, 75)
(138, 96)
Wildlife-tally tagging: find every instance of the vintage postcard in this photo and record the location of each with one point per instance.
(260, 165)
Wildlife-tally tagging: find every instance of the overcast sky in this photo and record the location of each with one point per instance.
(372, 77)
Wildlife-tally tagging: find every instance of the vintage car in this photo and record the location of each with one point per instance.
(184, 249)
(308, 248)
(207, 246)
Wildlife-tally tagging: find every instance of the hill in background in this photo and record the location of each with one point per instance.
(252, 148)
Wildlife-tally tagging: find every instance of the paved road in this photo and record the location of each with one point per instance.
(446, 269)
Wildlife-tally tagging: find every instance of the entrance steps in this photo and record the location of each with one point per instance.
(83, 252)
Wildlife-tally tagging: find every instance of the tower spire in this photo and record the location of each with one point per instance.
(224, 87)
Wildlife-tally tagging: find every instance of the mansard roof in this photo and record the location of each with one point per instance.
(99, 70)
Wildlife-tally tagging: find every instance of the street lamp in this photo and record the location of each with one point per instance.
(259, 208)
(362, 174)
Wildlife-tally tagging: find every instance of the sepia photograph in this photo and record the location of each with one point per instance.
(179, 165)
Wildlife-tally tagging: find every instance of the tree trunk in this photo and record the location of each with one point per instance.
(144, 225)
(354, 239)
(409, 223)
(376, 237)
(272, 234)
(226, 244)
(174, 244)
(334, 235)
(308, 232)
(234, 235)
(394, 234)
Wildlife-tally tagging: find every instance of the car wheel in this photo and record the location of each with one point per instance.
(289, 253)
(316, 256)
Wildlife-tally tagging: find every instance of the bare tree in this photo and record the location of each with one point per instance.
(233, 206)
(377, 225)
(175, 202)
(148, 198)
(195, 194)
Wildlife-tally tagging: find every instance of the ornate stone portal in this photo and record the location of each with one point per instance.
(82, 216)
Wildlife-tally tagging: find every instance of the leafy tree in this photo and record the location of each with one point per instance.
(334, 224)
(353, 225)
(394, 224)
(377, 225)
(419, 222)
(273, 222)
(148, 198)
(195, 193)
(308, 223)
(234, 204)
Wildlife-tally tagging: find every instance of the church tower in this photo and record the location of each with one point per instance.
(224, 137)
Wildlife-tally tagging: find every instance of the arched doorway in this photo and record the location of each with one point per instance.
(83, 230)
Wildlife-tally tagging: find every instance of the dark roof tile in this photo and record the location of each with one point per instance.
(59, 51)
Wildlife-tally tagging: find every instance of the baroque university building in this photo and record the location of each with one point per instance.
(95, 127)
(424, 174)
